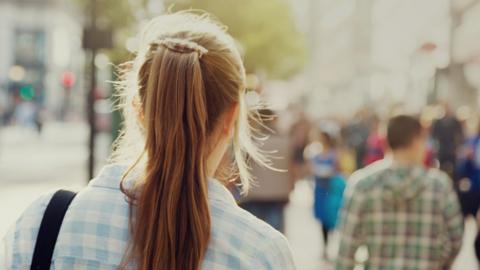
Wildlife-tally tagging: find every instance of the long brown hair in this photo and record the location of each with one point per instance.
(186, 74)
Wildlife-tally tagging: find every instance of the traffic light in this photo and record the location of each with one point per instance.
(68, 79)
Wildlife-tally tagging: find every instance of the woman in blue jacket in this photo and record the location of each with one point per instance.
(329, 186)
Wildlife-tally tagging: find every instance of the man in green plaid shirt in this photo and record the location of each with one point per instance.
(407, 216)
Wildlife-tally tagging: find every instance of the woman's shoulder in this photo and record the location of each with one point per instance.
(236, 230)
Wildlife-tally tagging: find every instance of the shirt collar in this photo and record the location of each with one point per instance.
(111, 175)
(217, 191)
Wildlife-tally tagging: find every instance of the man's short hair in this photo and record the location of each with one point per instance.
(402, 130)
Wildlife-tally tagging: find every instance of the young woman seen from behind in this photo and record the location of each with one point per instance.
(158, 206)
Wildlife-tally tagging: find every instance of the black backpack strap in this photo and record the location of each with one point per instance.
(49, 229)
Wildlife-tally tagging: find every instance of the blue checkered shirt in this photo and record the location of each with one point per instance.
(95, 232)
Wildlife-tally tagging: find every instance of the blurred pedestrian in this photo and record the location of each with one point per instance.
(346, 160)
(429, 161)
(447, 132)
(468, 173)
(407, 216)
(26, 113)
(39, 118)
(375, 149)
(329, 186)
(355, 134)
(269, 195)
(162, 208)
(299, 139)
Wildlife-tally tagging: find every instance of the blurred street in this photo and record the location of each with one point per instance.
(32, 165)
(332, 74)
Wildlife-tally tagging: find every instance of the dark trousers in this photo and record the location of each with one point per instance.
(326, 232)
(469, 202)
(270, 212)
(448, 165)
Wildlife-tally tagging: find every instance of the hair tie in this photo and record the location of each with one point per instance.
(182, 46)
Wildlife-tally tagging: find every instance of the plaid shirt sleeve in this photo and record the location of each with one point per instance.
(350, 228)
(454, 225)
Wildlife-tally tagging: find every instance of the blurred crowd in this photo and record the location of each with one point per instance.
(327, 151)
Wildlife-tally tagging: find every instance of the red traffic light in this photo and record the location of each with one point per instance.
(68, 79)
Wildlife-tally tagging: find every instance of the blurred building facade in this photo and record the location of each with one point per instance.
(41, 53)
(384, 52)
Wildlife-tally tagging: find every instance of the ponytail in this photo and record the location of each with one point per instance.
(171, 229)
(184, 80)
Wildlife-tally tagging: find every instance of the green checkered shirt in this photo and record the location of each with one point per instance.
(407, 217)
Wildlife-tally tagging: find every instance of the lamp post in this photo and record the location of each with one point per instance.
(91, 95)
(93, 40)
